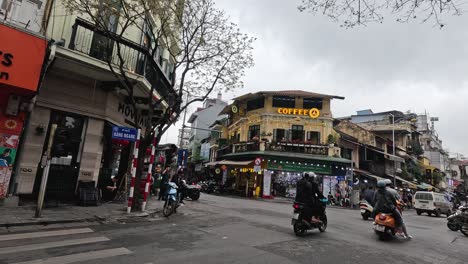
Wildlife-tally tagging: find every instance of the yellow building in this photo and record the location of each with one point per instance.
(291, 132)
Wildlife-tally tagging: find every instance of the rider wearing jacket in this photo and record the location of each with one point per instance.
(386, 202)
(308, 193)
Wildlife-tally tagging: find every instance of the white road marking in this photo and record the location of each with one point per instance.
(63, 243)
(45, 234)
(86, 256)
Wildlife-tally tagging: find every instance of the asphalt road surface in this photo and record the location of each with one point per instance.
(228, 230)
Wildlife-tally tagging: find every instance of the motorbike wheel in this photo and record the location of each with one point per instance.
(168, 208)
(195, 196)
(452, 226)
(324, 224)
(299, 229)
(365, 216)
(464, 229)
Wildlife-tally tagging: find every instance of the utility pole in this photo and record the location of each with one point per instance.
(394, 154)
(183, 123)
(45, 174)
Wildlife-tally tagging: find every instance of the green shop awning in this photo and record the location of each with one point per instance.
(297, 162)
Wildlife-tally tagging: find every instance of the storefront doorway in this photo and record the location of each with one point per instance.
(66, 156)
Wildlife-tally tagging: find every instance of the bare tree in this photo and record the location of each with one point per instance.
(204, 52)
(361, 12)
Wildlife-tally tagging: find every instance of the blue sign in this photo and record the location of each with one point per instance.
(182, 157)
(124, 133)
(340, 178)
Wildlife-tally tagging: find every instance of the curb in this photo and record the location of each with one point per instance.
(50, 222)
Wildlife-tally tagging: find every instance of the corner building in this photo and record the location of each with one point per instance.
(275, 136)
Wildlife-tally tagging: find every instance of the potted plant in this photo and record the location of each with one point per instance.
(331, 140)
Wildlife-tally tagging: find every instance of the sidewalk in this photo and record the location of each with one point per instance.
(106, 212)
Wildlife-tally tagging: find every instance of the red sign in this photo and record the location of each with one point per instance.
(21, 58)
(258, 161)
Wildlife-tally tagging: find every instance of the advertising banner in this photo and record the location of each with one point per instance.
(8, 146)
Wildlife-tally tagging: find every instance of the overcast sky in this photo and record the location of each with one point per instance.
(389, 66)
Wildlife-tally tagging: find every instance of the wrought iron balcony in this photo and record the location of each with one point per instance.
(304, 148)
(294, 147)
(102, 45)
(246, 146)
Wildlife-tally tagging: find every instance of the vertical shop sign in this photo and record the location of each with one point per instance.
(267, 184)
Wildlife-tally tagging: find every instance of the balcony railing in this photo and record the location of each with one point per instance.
(88, 39)
(246, 146)
(305, 148)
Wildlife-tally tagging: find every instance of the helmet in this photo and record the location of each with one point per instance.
(184, 182)
(384, 183)
(306, 175)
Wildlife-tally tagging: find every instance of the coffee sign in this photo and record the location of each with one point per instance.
(313, 113)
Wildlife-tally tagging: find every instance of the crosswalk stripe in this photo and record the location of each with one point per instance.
(45, 234)
(63, 243)
(98, 254)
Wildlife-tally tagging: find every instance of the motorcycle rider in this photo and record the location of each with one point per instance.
(318, 207)
(183, 190)
(308, 193)
(386, 202)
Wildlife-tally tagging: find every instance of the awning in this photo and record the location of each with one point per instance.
(389, 156)
(366, 173)
(410, 184)
(229, 163)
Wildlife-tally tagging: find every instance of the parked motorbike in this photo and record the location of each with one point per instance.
(455, 220)
(384, 224)
(172, 200)
(302, 225)
(366, 209)
(192, 192)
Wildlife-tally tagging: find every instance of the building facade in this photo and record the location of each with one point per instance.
(82, 96)
(275, 136)
(201, 121)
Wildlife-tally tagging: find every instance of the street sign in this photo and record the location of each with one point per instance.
(124, 133)
(182, 156)
(258, 161)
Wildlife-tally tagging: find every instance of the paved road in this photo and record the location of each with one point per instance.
(226, 230)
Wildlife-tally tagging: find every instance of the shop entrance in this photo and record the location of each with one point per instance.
(66, 156)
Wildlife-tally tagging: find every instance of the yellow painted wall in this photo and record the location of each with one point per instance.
(269, 119)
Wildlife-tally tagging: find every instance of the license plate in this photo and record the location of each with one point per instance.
(379, 228)
(363, 211)
(295, 216)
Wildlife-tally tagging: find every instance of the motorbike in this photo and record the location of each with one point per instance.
(302, 225)
(384, 224)
(459, 220)
(193, 192)
(455, 220)
(366, 209)
(172, 200)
